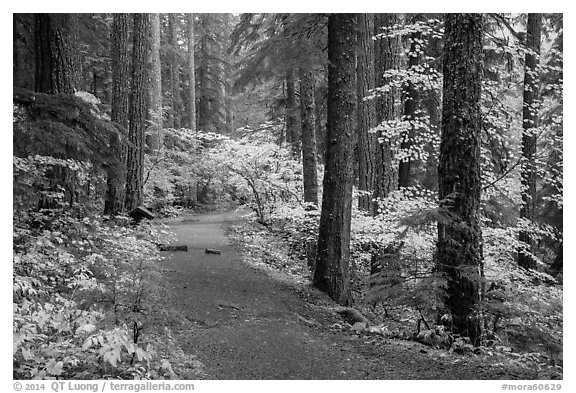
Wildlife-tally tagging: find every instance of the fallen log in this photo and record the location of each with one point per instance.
(167, 247)
(139, 213)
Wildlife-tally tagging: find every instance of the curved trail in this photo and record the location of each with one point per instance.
(247, 325)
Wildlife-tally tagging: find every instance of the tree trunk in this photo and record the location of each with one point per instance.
(16, 60)
(203, 82)
(529, 133)
(155, 111)
(368, 145)
(331, 274)
(120, 92)
(558, 264)
(174, 68)
(191, 76)
(54, 57)
(192, 193)
(386, 58)
(308, 136)
(291, 115)
(459, 249)
(321, 103)
(137, 114)
(410, 106)
(97, 83)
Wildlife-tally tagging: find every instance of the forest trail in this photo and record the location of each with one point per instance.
(243, 324)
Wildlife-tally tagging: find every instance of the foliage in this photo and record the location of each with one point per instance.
(85, 288)
(257, 171)
(62, 149)
(84, 291)
(86, 301)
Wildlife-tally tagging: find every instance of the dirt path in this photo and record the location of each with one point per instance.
(243, 324)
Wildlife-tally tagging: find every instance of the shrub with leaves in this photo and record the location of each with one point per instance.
(84, 291)
(258, 171)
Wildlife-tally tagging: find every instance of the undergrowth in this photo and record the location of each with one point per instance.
(87, 299)
(522, 309)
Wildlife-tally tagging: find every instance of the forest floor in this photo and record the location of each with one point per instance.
(240, 322)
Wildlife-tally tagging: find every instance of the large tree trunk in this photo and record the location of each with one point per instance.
(292, 114)
(529, 134)
(191, 75)
(120, 92)
(54, 57)
(410, 106)
(155, 110)
(308, 136)
(368, 145)
(137, 115)
(174, 67)
(332, 271)
(55, 74)
(459, 249)
(16, 60)
(386, 58)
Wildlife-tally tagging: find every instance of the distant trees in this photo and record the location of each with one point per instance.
(331, 273)
(292, 134)
(459, 246)
(191, 74)
(137, 111)
(530, 109)
(309, 162)
(174, 114)
(155, 112)
(211, 72)
(287, 49)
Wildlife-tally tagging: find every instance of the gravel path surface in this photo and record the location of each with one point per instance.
(244, 324)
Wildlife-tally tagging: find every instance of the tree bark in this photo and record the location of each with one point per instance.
(54, 58)
(331, 274)
(174, 67)
(459, 249)
(155, 111)
(410, 106)
(368, 145)
(137, 114)
(120, 93)
(321, 104)
(309, 169)
(291, 115)
(203, 81)
(191, 75)
(386, 58)
(529, 133)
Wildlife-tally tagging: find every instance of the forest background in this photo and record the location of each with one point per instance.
(567, 142)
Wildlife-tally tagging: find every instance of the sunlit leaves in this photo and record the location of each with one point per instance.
(79, 279)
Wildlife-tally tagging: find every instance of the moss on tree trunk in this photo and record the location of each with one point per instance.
(459, 247)
(386, 58)
(332, 263)
(115, 193)
(137, 114)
